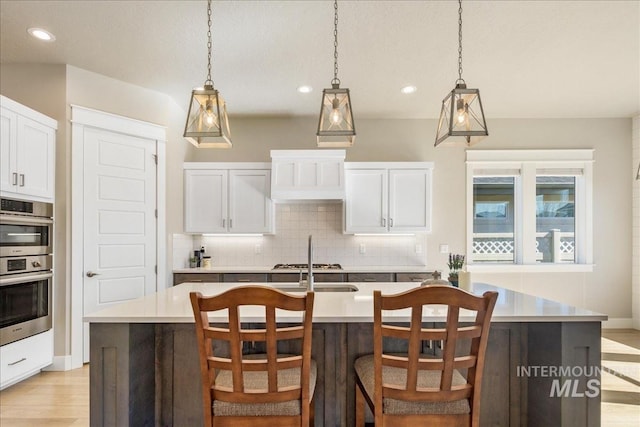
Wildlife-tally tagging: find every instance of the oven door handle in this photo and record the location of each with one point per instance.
(15, 219)
(21, 278)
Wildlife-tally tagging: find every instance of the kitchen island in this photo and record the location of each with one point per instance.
(144, 361)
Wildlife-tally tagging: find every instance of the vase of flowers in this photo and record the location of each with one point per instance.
(456, 262)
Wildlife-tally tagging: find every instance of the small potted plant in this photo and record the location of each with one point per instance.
(456, 261)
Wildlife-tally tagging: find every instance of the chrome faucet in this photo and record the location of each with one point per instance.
(310, 272)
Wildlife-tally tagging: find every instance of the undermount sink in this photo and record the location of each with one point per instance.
(319, 288)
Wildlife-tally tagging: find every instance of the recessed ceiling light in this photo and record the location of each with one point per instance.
(41, 34)
(305, 89)
(408, 89)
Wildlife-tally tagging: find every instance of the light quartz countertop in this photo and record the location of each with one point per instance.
(172, 306)
(345, 269)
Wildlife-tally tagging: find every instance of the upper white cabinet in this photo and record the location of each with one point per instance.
(27, 152)
(388, 197)
(227, 198)
(307, 175)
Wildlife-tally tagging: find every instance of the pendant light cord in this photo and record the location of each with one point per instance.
(460, 79)
(209, 44)
(335, 80)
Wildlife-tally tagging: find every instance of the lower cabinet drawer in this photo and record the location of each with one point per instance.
(370, 277)
(244, 277)
(317, 277)
(23, 358)
(195, 277)
(328, 277)
(412, 277)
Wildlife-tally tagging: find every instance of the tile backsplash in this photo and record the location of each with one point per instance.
(294, 223)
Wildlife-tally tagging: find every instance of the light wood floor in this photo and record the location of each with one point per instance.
(61, 399)
(55, 399)
(621, 384)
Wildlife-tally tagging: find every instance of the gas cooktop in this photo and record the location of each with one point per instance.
(304, 266)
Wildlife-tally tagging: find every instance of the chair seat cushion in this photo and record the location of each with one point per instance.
(258, 380)
(365, 370)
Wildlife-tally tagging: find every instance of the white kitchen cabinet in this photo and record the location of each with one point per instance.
(23, 358)
(307, 175)
(27, 149)
(388, 197)
(227, 198)
(367, 201)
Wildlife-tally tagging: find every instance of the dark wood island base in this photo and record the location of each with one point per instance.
(146, 374)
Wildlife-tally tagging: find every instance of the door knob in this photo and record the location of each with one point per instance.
(91, 274)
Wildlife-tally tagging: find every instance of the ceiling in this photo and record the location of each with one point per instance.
(530, 59)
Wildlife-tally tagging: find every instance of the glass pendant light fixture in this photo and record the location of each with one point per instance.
(461, 117)
(335, 126)
(207, 122)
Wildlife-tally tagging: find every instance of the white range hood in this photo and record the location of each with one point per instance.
(306, 175)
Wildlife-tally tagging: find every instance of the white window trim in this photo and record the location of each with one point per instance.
(528, 161)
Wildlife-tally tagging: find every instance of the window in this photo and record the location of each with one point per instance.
(493, 233)
(529, 208)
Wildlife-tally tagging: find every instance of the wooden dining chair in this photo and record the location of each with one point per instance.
(407, 389)
(269, 389)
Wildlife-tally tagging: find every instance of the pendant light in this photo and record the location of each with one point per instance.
(207, 122)
(335, 126)
(461, 118)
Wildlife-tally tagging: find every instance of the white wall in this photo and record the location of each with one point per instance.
(635, 175)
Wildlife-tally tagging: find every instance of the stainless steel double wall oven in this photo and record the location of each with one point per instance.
(26, 261)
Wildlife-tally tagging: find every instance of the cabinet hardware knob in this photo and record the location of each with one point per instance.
(14, 180)
(384, 222)
(21, 180)
(390, 222)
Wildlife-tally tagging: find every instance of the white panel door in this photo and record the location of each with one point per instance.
(119, 235)
(409, 200)
(366, 201)
(205, 201)
(8, 141)
(35, 158)
(250, 208)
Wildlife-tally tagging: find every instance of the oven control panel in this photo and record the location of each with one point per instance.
(25, 264)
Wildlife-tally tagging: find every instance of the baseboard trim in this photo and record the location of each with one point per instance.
(618, 323)
(60, 363)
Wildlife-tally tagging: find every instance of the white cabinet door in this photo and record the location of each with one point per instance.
(409, 200)
(35, 158)
(8, 141)
(250, 208)
(205, 201)
(366, 201)
(27, 152)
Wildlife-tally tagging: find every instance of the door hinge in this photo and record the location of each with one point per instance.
(155, 158)
(155, 269)
(156, 213)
